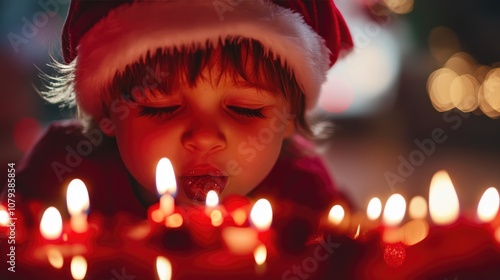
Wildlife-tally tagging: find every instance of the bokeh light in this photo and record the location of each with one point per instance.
(487, 208)
(417, 208)
(394, 210)
(464, 84)
(399, 6)
(443, 200)
(336, 214)
(374, 208)
(438, 86)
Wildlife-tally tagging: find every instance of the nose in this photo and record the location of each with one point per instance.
(204, 138)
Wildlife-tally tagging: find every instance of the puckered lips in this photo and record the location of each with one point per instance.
(200, 179)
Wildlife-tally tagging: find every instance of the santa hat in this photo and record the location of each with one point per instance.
(102, 37)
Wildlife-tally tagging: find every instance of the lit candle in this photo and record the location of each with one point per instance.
(394, 212)
(4, 216)
(371, 221)
(166, 186)
(337, 220)
(443, 200)
(245, 240)
(78, 267)
(51, 224)
(77, 199)
(336, 215)
(260, 256)
(163, 268)
(261, 218)
(51, 228)
(212, 209)
(453, 242)
(261, 215)
(487, 208)
(374, 209)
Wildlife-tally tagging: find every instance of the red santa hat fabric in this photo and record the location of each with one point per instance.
(102, 37)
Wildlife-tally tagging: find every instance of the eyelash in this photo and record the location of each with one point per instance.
(246, 112)
(160, 112)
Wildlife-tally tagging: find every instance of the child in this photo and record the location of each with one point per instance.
(217, 87)
(221, 88)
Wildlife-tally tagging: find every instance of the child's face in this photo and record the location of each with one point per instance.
(218, 135)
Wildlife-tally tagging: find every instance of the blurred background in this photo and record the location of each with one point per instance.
(419, 93)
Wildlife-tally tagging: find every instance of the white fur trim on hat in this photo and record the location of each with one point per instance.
(128, 32)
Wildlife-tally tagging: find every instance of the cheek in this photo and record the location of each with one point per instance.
(141, 147)
(256, 154)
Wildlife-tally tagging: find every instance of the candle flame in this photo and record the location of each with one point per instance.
(78, 267)
(163, 268)
(487, 208)
(260, 254)
(55, 258)
(356, 235)
(261, 215)
(394, 210)
(165, 177)
(418, 208)
(374, 209)
(51, 224)
(4, 217)
(77, 197)
(212, 199)
(336, 214)
(443, 200)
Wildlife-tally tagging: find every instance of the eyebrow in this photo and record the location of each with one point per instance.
(248, 85)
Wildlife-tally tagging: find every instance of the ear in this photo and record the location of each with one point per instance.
(107, 126)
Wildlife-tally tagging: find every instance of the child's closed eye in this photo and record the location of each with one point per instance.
(247, 112)
(158, 112)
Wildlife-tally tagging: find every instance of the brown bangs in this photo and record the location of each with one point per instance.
(245, 61)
